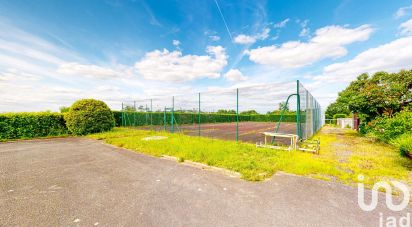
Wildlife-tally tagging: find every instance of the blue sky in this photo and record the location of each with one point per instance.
(54, 52)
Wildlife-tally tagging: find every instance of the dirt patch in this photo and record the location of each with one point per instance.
(341, 146)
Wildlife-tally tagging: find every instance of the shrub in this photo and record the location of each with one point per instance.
(404, 144)
(388, 128)
(336, 116)
(89, 116)
(64, 109)
(249, 112)
(31, 125)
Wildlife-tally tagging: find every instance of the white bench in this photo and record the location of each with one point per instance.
(293, 140)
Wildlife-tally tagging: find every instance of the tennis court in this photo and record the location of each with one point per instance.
(241, 114)
(247, 131)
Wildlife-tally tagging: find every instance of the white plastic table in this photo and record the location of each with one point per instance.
(293, 140)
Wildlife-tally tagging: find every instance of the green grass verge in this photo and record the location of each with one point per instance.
(375, 161)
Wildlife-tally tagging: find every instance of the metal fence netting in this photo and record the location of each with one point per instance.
(240, 114)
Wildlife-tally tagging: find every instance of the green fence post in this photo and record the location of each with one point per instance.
(164, 119)
(122, 116)
(237, 114)
(199, 116)
(173, 113)
(151, 113)
(134, 113)
(146, 116)
(282, 114)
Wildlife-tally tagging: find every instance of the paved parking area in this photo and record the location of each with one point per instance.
(82, 182)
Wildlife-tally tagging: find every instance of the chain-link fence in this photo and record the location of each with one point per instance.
(311, 115)
(233, 114)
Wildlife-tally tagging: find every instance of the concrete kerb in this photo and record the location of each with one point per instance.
(204, 166)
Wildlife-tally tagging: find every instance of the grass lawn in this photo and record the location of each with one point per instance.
(342, 157)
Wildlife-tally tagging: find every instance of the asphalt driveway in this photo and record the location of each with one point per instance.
(76, 181)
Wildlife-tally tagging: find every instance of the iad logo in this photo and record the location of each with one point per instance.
(389, 203)
(389, 220)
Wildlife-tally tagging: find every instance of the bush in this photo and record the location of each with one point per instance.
(89, 116)
(31, 125)
(388, 128)
(64, 109)
(404, 144)
(336, 116)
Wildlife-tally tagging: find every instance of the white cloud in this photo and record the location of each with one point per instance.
(33, 74)
(251, 96)
(406, 27)
(305, 30)
(281, 24)
(22, 50)
(390, 57)
(402, 11)
(91, 71)
(40, 58)
(234, 75)
(14, 75)
(29, 53)
(176, 42)
(152, 18)
(246, 39)
(41, 97)
(214, 37)
(108, 88)
(264, 35)
(328, 42)
(173, 66)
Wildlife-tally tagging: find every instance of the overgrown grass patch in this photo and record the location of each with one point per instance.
(342, 156)
(404, 144)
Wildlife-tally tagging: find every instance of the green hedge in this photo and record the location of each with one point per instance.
(30, 125)
(336, 116)
(157, 118)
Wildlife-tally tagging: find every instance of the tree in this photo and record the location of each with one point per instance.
(223, 111)
(129, 108)
(382, 94)
(337, 108)
(249, 112)
(141, 108)
(64, 109)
